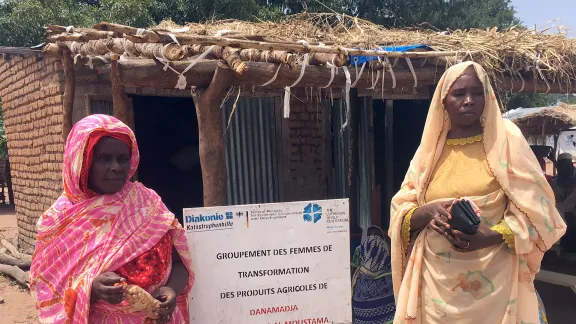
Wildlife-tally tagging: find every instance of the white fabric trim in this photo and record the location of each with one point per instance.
(347, 94)
(274, 77)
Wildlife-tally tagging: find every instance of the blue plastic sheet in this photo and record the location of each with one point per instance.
(355, 59)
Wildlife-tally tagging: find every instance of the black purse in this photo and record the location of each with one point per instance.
(464, 219)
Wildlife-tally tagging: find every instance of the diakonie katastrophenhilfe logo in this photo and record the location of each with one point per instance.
(210, 222)
(312, 213)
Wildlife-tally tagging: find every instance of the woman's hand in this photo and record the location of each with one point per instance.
(104, 288)
(167, 297)
(485, 237)
(435, 214)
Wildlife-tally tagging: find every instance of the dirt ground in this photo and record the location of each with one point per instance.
(18, 305)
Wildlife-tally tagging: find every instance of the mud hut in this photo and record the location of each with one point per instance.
(230, 112)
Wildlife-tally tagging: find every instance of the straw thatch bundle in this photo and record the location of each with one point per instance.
(549, 121)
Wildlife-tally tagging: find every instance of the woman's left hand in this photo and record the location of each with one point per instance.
(485, 237)
(167, 297)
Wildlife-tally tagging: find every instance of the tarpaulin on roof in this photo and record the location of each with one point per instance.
(355, 59)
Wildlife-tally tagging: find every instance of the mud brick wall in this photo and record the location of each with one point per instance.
(308, 176)
(31, 89)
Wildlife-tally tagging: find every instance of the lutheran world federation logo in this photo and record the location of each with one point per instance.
(312, 213)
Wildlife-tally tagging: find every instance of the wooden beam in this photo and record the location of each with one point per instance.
(69, 90)
(353, 157)
(211, 136)
(19, 51)
(389, 153)
(150, 73)
(120, 100)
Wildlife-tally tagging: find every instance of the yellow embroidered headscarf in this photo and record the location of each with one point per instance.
(531, 215)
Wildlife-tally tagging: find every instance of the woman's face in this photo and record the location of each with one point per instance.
(110, 166)
(465, 100)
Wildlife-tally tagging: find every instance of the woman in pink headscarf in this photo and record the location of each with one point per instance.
(105, 231)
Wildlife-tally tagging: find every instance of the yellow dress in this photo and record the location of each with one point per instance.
(462, 171)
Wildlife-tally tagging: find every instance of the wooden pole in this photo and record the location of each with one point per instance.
(120, 100)
(69, 89)
(353, 157)
(211, 136)
(22, 277)
(389, 155)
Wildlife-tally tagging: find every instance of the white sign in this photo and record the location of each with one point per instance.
(567, 143)
(286, 263)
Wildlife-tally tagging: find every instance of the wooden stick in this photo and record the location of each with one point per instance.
(212, 148)
(120, 100)
(51, 29)
(146, 37)
(69, 90)
(323, 58)
(23, 278)
(232, 58)
(52, 49)
(25, 262)
(250, 55)
(81, 37)
(12, 249)
(353, 156)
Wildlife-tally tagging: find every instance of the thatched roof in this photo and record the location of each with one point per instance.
(501, 51)
(548, 121)
(334, 40)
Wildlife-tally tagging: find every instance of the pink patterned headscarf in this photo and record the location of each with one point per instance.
(81, 237)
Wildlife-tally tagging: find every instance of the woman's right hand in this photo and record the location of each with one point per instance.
(104, 288)
(439, 218)
(435, 215)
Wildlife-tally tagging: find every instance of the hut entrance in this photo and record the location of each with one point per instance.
(167, 133)
(396, 141)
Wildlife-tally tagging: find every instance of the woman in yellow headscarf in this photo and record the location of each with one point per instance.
(442, 275)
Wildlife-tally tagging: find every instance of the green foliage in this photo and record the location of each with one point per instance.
(22, 21)
(529, 100)
(138, 14)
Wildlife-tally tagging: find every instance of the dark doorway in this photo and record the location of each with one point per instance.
(167, 133)
(406, 122)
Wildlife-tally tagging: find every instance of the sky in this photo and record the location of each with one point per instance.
(540, 12)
